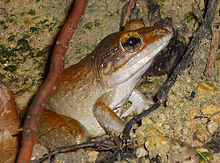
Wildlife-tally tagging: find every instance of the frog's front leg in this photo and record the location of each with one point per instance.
(139, 103)
(105, 115)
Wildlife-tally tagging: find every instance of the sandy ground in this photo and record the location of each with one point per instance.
(27, 34)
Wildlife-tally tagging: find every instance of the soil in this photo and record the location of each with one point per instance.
(27, 36)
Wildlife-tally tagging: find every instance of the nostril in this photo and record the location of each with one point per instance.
(163, 30)
(167, 28)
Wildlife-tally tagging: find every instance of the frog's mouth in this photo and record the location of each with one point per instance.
(136, 65)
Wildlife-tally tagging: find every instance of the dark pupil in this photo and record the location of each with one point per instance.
(132, 41)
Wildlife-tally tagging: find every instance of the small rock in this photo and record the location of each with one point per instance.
(212, 126)
(209, 109)
(38, 151)
(207, 89)
(73, 157)
(182, 152)
(92, 155)
(140, 152)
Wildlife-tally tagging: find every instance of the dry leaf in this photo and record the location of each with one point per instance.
(9, 126)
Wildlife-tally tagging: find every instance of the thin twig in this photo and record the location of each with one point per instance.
(198, 11)
(126, 12)
(69, 148)
(213, 52)
(56, 69)
(127, 129)
(101, 145)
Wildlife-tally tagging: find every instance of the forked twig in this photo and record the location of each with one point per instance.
(126, 12)
(213, 52)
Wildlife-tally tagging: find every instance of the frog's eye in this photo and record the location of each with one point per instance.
(130, 41)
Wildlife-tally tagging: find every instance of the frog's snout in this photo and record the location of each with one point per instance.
(168, 29)
(164, 30)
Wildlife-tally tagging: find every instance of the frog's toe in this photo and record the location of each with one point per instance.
(137, 107)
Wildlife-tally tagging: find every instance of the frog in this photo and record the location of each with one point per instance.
(91, 90)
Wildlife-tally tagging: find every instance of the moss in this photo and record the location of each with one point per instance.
(204, 155)
(31, 12)
(12, 38)
(88, 25)
(3, 25)
(23, 45)
(33, 29)
(42, 52)
(97, 22)
(190, 16)
(11, 68)
(6, 54)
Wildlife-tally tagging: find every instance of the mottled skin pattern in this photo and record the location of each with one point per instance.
(92, 88)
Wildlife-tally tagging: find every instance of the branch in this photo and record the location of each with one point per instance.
(68, 148)
(126, 12)
(213, 52)
(102, 145)
(56, 70)
(203, 30)
(162, 94)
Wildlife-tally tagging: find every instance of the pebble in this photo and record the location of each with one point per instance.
(212, 126)
(140, 152)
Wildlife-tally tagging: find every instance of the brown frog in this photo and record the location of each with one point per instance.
(89, 91)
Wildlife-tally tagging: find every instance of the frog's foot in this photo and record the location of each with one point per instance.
(139, 103)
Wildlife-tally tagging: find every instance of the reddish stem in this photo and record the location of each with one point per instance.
(56, 70)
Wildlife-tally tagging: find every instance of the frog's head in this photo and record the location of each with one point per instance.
(128, 54)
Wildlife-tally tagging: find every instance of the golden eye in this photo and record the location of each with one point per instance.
(130, 41)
